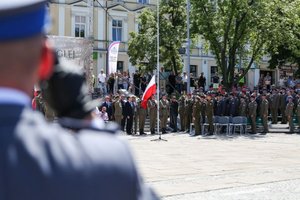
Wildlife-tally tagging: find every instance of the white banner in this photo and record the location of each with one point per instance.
(113, 51)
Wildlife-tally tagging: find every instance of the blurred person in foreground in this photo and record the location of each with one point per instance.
(39, 160)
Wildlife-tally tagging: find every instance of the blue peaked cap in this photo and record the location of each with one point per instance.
(22, 18)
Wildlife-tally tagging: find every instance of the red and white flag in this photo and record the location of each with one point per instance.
(150, 90)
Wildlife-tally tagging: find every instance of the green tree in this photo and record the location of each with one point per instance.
(172, 24)
(287, 52)
(241, 30)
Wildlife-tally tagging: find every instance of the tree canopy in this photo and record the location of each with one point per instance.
(243, 30)
(172, 23)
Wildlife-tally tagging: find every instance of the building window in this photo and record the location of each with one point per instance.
(143, 1)
(214, 74)
(120, 66)
(193, 69)
(117, 30)
(80, 26)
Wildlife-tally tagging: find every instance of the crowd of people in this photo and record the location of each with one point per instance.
(264, 104)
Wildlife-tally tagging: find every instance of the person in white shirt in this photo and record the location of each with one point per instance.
(184, 80)
(102, 82)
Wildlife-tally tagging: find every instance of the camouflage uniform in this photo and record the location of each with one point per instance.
(197, 116)
(117, 105)
(209, 110)
(182, 112)
(289, 112)
(152, 106)
(164, 108)
(252, 115)
(264, 106)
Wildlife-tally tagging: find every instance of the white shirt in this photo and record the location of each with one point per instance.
(13, 96)
(101, 78)
(184, 78)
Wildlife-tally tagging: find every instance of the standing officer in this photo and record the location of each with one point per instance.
(232, 105)
(188, 110)
(242, 107)
(117, 107)
(289, 112)
(282, 105)
(203, 107)
(209, 110)
(39, 160)
(182, 112)
(152, 106)
(164, 108)
(264, 107)
(142, 112)
(135, 114)
(128, 115)
(123, 121)
(274, 104)
(197, 115)
(252, 113)
(221, 106)
(173, 113)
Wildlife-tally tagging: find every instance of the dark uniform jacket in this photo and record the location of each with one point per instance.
(41, 161)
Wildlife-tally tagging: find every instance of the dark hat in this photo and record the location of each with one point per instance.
(22, 19)
(67, 92)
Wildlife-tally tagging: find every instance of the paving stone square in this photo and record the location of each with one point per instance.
(220, 167)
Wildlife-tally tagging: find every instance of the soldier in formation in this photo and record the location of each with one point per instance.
(289, 113)
(152, 110)
(164, 109)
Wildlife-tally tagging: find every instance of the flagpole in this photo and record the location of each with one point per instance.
(157, 72)
(157, 65)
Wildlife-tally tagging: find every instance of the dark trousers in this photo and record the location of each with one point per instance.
(173, 121)
(129, 123)
(253, 124)
(123, 121)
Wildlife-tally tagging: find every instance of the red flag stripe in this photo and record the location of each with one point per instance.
(150, 90)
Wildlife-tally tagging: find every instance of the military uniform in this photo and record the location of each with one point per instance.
(252, 115)
(274, 104)
(264, 106)
(164, 108)
(135, 116)
(197, 116)
(203, 110)
(118, 108)
(209, 110)
(152, 106)
(243, 108)
(282, 105)
(188, 116)
(289, 112)
(182, 112)
(142, 112)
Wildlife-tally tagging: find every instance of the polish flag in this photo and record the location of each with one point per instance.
(150, 90)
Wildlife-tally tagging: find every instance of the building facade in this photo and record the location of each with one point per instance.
(106, 21)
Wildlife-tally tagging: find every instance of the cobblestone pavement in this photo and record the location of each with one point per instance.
(220, 167)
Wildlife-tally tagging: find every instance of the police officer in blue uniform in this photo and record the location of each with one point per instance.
(39, 160)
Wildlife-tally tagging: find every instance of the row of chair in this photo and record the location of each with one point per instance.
(230, 124)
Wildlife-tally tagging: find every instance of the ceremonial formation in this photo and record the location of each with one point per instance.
(200, 111)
